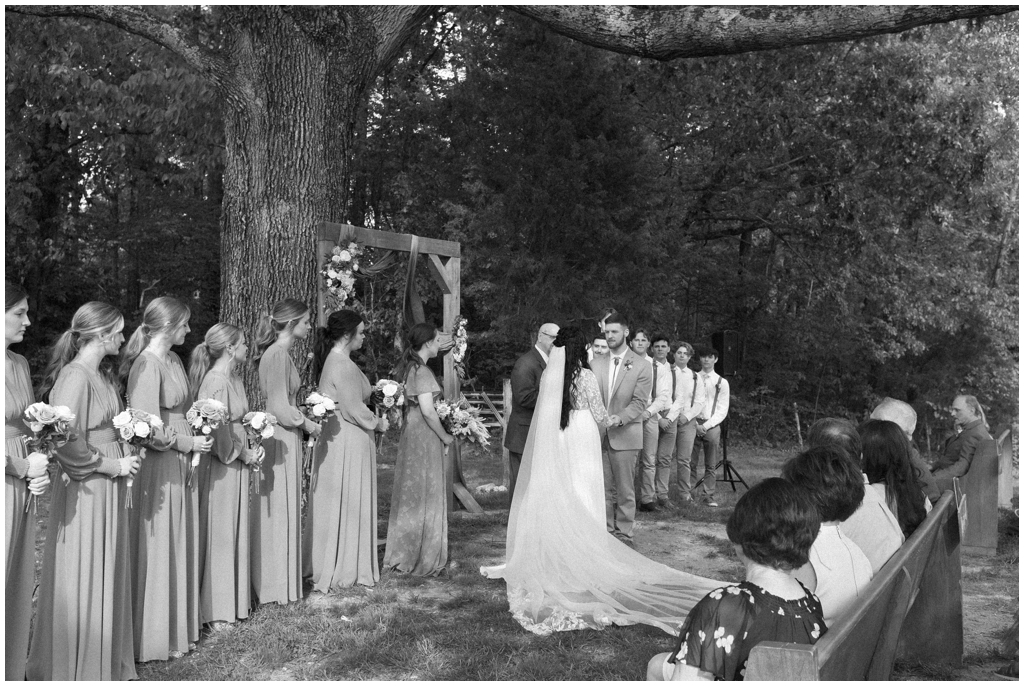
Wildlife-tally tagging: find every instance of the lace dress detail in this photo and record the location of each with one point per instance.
(586, 395)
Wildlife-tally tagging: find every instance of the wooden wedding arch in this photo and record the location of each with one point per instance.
(444, 259)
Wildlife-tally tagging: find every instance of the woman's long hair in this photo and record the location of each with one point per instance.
(214, 345)
(574, 338)
(13, 294)
(282, 316)
(91, 320)
(340, 324)
(162, 314)
(418, 336)
(887, 461)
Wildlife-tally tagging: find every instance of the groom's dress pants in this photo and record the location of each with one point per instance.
(619, 496)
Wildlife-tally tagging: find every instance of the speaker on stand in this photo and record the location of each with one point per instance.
(727, 343)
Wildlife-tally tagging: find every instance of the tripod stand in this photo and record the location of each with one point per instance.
(729, 473)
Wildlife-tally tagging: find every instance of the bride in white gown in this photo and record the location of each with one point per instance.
(563, 570)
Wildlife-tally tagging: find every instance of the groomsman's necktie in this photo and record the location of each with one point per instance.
(654, 386)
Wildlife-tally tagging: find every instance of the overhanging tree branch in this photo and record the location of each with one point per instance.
(141, 22)
(671, 32)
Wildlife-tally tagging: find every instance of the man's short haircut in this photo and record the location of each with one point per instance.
(660, 337)
(897, 412)
(599, 337)
(706, 351)
(973, 404)
(683, 344)
(775, 523)
(833, 480)
(642, 330)
(836, 432)
(617, 318)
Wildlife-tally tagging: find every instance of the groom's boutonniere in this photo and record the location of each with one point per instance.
(627, 365)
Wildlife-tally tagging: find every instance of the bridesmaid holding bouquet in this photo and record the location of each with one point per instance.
(224, 582)
(340, 538)
(164, 517)
(418, 525)
(84, 618)
(275, 514)
(25, 473)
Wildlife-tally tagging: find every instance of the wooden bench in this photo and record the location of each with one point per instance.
(981, 486)
(912, 608)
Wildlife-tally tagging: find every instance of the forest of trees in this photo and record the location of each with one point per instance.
(849, 208)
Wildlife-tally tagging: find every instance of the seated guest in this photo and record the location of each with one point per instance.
(886, 457)
(838, 571)
(959, 449)
(873, 527)
(772, 528)
(904, 416)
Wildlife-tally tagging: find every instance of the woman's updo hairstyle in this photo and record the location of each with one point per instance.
(161, 314)
(92, 320)
(13, 294)
(282, 316)
(213, 347)
(339, 325)
(418, 336)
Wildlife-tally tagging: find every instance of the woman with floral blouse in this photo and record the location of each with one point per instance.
(772, 529)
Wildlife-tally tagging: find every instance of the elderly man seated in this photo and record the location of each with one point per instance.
(959, 450)
(873, 527)
(905, 417)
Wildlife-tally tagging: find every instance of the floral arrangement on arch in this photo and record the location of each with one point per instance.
(339, 272)
(460, 342)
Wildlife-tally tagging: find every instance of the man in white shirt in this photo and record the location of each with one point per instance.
(660, 401)
(688, 403)
(709, 423)
(599, 346)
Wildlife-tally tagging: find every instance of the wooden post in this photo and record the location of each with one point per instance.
(1004, 450)
(506, 397)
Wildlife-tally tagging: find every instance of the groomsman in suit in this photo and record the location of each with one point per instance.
(625, 381)
(687, 406)
(709, 424)
(651, 495)
(525, 387)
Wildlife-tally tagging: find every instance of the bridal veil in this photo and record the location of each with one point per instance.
(563, 570)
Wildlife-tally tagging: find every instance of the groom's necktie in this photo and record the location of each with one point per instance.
(615, 370)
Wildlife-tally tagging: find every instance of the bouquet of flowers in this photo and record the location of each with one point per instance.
(460, 341)
(388, 396)
(51, 428)
(258, 426)
(462, 420)
(338, 272)
(135, 428)
(317, 408)
(204, 416)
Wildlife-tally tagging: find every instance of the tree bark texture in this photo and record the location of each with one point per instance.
(670, 32)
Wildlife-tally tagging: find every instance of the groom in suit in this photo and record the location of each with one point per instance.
(625, 380)
(525, 387)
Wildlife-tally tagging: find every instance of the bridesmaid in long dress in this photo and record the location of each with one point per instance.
(418, 526)
(275, 513)
(25, 473)
(340, 538)
(84, 618)
(165, 517)
(224, 595)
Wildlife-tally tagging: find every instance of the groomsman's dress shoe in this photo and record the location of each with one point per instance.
(648, 507)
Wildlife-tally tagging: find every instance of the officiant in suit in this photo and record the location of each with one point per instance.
(525, 386)
(625, 380)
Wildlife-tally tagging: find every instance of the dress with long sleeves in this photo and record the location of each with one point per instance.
(20, 529)
(275, 512)
(417, 540)
(84, 617)
(165, 515)
(563, 570)
(340, 537)
(225, 588)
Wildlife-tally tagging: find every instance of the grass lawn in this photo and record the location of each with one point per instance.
(458, 627)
